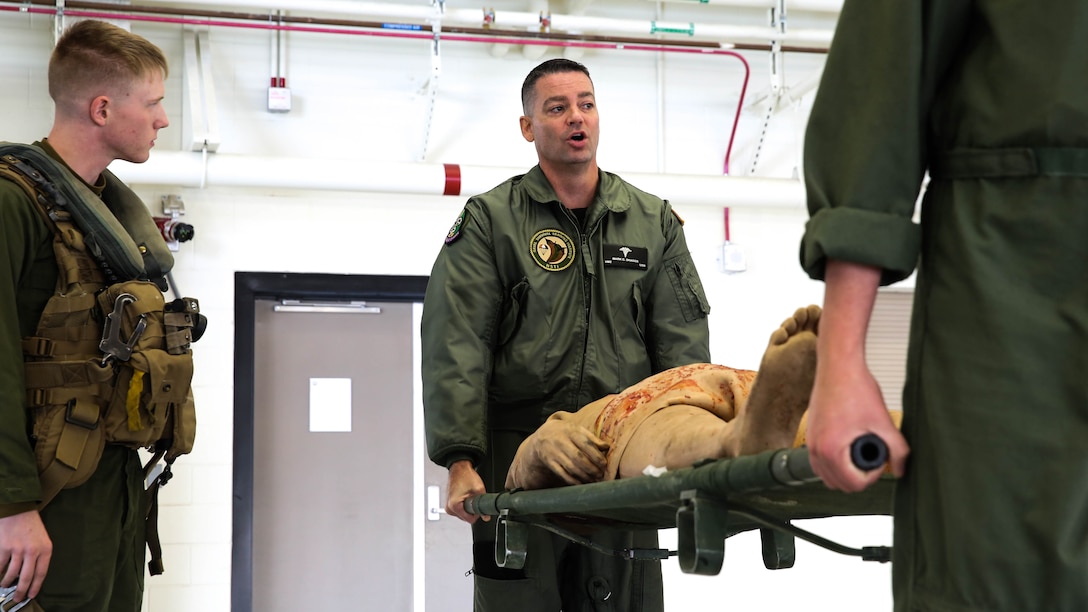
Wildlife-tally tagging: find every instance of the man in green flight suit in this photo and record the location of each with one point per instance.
(85, 550)
(991, 99)
(556, 288)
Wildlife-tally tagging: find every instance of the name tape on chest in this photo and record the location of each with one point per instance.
(622, 256)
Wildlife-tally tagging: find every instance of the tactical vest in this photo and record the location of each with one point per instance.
(110, 361)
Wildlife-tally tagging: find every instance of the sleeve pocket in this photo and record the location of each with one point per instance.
(640, 310)
(688, 288)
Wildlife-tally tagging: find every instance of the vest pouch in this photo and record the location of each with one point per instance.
(69, 440)
(133, 319)
(151, 398)
(183, 422)
(152, 389)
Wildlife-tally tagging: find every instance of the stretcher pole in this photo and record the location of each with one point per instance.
(701, 517)
(739, 475)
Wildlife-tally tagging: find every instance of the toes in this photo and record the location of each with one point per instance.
(801, 316)
(780, 336)
(790, 325)
(813, 312)
(808, 317)
(804, 319)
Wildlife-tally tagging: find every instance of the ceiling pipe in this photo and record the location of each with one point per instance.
(193, 170)
(79, 8)
(202, 170)
(575, 24)
(811, 6)
(214, 18)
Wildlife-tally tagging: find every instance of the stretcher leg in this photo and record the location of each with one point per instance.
(701, 532)
(779, 549)
(511, 542)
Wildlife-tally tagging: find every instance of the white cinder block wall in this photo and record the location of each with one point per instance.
(364, 99)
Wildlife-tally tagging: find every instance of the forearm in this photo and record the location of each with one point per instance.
(846, 401)
(849, 293)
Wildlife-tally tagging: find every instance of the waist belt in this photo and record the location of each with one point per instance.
(1009, 163)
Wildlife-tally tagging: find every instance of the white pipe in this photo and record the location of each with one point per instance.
(183, 169)
(575, 24)
(814, 6)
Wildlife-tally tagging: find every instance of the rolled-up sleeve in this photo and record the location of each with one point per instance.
(866, 143)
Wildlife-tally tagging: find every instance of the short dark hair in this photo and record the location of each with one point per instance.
(552, 66)
(91, 54)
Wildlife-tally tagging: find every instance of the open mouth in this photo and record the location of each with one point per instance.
(578, 137)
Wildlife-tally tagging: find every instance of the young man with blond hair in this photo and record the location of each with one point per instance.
(84, 550)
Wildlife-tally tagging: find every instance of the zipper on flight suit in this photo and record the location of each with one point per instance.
(583, 242)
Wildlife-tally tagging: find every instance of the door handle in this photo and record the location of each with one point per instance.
(435, 507)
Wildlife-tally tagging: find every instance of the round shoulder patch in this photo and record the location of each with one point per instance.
(455, 231)
(552, 250)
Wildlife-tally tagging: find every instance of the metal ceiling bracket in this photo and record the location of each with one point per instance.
(203, 124)
(432, 84)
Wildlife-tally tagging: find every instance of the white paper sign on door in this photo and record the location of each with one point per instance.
(330, 404)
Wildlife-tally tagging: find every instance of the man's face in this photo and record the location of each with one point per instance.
(135, 118)
(563, 122)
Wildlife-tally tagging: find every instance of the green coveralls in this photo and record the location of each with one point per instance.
(527, 313)
(97, 528)
(992, 98)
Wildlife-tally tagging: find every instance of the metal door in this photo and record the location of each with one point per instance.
(446, 539)
(340, 516)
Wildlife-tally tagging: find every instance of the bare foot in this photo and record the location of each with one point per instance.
(781, 390)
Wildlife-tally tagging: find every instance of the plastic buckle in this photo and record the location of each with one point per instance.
(70, 415)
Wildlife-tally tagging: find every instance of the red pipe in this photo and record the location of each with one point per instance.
(453, 179)
(398, 33)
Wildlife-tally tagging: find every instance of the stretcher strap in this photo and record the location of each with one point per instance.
(632, 554)
(882, 554)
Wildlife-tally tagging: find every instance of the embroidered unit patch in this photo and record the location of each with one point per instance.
(552, 250)
(455, 231)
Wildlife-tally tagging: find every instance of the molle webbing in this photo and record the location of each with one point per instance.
(1009, 163)
(109, 362)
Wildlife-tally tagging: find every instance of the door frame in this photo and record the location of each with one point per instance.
(248, 288)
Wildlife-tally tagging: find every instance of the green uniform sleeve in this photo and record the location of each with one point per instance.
(677, 329)
(24, 240)
(865, 145)
(460, 309)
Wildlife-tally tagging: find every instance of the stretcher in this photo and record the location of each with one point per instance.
(706, 503)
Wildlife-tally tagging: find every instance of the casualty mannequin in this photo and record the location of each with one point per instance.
(680, 416)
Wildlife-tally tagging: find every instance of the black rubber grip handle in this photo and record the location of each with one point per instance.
(869, 452)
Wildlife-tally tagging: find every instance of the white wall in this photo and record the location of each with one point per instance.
(362, 99)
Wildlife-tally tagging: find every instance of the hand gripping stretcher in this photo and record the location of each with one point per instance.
(7, 600)
(706, 503)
